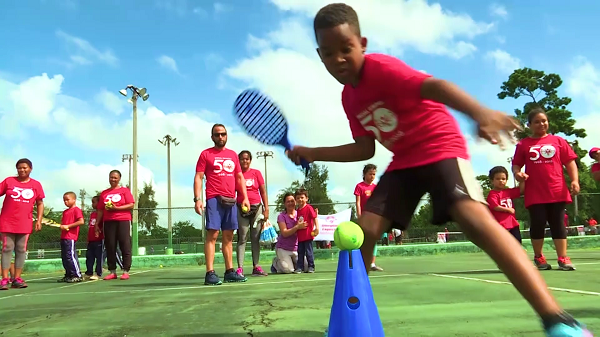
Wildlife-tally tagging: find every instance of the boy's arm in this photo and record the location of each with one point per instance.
(521, 187)
(358, 210)
(76, 223)
(363, 148)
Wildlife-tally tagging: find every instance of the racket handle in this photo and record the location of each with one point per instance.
(306, 166)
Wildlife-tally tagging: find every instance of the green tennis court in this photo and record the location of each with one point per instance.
(443, 295)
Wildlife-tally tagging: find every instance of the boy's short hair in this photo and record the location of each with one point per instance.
(334, 15)
(71, 194)
(301, 191)
(497, 169)
(96, 197)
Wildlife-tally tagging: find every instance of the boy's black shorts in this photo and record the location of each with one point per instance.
(399, 192)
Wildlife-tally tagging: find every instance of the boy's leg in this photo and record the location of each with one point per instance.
(98, 254)
(310, 257)
(72, 260)
(301, 256)
(516, 233)
(242, 235)
(64, 258)
(90, 258)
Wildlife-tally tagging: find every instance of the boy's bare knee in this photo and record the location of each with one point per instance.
(373, 225)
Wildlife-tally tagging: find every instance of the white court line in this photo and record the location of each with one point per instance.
(225, 286)
(92, 281)
(574, 291)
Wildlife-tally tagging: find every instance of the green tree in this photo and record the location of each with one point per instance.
(485, 183)
(147, 216)
(185, 229)
(316, 186)
(353, 216)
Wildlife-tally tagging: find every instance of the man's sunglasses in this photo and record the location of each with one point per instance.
(217, 134)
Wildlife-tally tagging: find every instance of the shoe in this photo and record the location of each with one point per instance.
(74, 279)
(211, 279)
(86, 277)
(111, 276)
(62, 280)
(565, 330)
(18, 283)
(541, 263)
(310, 270)
(94, 277)
(376, 268)
(4, 284)
(298, 271)
(125, 276)
(232, 276)
(273, 270)
(564, 263)
(240, 271)
(258, 271)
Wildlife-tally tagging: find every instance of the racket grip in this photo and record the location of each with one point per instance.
(305, 165)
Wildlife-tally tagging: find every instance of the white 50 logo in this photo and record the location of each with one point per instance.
(221, 165)
(384, 121)
(537, 151)
(26, 193)
(114, 198)
(506, 203)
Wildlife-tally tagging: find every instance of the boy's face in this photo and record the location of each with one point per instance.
(69, 200)
(596, 155)
(499, 181)
(539, 124)
(301, 200)
(370, 176)
(95, 203)
(342, 52)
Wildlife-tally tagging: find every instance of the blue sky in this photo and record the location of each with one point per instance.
(196, 56)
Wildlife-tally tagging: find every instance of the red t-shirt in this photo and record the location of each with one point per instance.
(387, 106)
(70, 216)
(119, 196)
(364, 191)
(220, 168)
(595, 167)
(544, 159)
(592, 222)
(92, 229)
(309, 215)
(504, 198)
(17, 210)
(254, 180)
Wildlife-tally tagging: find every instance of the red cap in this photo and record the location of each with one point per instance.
(594, 150)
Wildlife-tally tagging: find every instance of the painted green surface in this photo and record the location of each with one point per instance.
(151, 261)
(414, 295)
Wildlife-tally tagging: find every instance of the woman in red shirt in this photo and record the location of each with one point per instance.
(546, 191)
(22, 193)
(114, 212)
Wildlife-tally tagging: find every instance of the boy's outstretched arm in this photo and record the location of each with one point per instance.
(363, 148)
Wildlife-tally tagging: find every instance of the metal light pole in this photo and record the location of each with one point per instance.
(128, 158)
(265, 154)
(167, 140)
(135, 93)
(509, 160)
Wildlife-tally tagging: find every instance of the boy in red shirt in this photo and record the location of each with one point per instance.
(95, 246)
(500, 201)
(306, 213)
(595, 169)
(72, 218)
(404, 109)
(363, 191)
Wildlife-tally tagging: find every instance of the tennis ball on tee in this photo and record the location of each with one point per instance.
(348, 236)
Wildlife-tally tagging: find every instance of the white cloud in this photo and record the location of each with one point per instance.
(168, 63)
(498, 11)
(221, 7)
(82, 52)
(503, 61)
(400, 25)
(111, 101)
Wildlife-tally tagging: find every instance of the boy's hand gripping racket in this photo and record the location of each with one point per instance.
(262, 119)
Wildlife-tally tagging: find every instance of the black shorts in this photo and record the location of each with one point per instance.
(399, 192)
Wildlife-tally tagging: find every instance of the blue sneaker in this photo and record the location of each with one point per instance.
(565, 330)
(211, 279)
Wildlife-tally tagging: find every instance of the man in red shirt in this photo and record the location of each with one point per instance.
(387, 101)
(221, 167)
(595, 154)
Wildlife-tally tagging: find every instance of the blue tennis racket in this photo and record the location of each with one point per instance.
(262, 119)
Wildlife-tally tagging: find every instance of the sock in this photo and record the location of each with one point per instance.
(561, 317)
(372, 264)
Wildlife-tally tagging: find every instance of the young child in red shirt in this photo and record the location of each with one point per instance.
(363, 191)
(306, 213)
(595, 169)
(404, 109)
(72, 218)
(95, 246)
(500, 201)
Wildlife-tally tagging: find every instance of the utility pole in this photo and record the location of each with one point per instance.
(265, 154)
(509, 160)
(128, 158)
(82, 195)
(167, 140)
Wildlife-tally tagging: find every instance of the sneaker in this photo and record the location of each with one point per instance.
(565, 330)
(95, 277)
(376, 268)
(310, 270)
(541, 263)
(111, 276)
(273, 270)
(211, 279)
(564, 263)
(240, 271)
(86, 277)
(234, 277)
(62, 280)
(4, 284)
(298, 271)
(258, 271)
(18, 283)
(74, 279)
(125, 276)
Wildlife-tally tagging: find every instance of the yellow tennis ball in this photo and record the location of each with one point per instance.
(348, 236)
(161, 265)
(244, 209)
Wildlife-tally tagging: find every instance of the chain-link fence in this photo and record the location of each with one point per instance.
(187, 227)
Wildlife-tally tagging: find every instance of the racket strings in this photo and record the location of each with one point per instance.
(260, 118)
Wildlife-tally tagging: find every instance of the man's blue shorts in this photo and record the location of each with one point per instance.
(220, 217)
